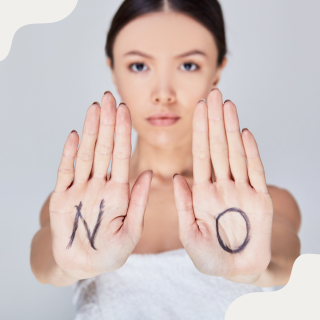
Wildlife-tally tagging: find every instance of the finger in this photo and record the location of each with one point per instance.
(184, 206)
(133, 223)
(104, 145)
(85, 153)
(200, 144)
(217, 134)
(66, 167)
(122, 146)
(255, 167)
(237, 157)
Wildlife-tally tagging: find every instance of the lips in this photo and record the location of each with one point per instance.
(163, 119)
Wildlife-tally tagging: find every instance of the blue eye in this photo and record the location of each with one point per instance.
(138, 67)
(189, 66)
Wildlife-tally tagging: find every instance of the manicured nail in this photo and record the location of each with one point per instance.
(204, 100)
(107, 92)
(227, 101)
(122, 103)
(73, 131)
(96, 103)
(174, 175)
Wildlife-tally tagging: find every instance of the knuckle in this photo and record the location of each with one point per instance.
(253, 156)
(85, 156)
(219, 149)
(200, 131)
(64, 170)
(241, 180)
(98, 176)
(237, 155)
(215, 118)
(103, 149)
(122, 155)
(80, 180)
(200, 153)
(65, 155)
(232, 131)
(135, 236)
(187, 207)
(218, 137)
(106, 122)
(256, 172)
(139, 205)
(123, 132)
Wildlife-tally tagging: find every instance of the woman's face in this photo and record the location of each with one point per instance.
(164, 63)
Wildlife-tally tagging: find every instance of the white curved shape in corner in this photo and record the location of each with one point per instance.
(299, 299)
(15, 14)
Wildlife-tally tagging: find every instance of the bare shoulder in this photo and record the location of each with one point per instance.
(44, 214)
(285, 206)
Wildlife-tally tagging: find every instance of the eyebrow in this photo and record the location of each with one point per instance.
(139, 53)
(189, 53)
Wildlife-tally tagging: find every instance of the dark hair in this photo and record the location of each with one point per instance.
(207, 12)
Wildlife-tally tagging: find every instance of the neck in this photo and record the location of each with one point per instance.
(163, 161)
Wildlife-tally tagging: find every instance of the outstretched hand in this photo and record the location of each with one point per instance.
(225, 222)
(95, 222)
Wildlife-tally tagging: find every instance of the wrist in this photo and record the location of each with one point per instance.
(246, 279)
(61, 278)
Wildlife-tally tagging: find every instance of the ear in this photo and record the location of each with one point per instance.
(112, 71)
(218, 74)
(109, 63)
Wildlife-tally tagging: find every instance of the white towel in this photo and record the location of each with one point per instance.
(163, 286)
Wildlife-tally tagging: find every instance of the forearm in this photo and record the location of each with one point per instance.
(43, 263)
(285, 249)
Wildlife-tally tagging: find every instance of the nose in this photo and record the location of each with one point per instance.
(163, 95)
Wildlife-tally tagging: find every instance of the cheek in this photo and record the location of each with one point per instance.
(128, 87)
(191, 89)
(135, 96)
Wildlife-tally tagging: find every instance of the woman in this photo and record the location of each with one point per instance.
(214, 232)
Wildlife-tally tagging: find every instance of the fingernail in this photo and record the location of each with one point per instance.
(174, 175)
(73, 131)
(227, 101)
(204, 100)
(245, 129)
(96, 103)
(213, 89)
(122, 103)
(107, 92)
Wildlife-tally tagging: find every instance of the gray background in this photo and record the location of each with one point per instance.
(55, 71)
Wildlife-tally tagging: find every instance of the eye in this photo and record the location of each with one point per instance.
(189, 66)
(138, 67)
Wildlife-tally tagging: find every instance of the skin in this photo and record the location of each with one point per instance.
(205, 147)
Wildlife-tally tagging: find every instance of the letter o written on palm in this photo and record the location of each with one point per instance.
(237, 243)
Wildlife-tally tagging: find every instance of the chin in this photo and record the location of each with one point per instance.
(164, 140)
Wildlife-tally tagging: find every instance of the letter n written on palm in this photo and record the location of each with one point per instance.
(92, 236)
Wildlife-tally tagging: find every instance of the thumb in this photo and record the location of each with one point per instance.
(184, 205)
(133, 223)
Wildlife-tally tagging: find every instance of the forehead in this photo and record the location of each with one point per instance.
(165, 33)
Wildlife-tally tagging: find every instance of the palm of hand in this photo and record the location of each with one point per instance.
(225, 225)
(95, 223)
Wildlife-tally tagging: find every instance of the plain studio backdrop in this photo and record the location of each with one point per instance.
(55, 71)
